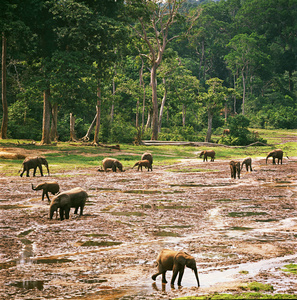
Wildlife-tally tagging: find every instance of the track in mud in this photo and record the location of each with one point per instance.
(238, 230)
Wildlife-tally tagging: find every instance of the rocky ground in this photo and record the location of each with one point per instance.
(238, 230)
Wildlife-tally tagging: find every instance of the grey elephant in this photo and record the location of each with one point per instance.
(76, 198)
(33, 163)
(277, 153)
(47, 187)
(111, 163)
(235, 168)
(206, 153)
(175, 261)
(248, 163)
(147, 156)
(143, 163)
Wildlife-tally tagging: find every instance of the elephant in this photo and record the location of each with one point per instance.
(143, 163)
(112, 163)
(175, 261)
(209, 153)
(33, 163)
(147, 156)
(277, 153)
(226, 131)
(235, 168)
(248, 163)
(46, 187)
(75, 197)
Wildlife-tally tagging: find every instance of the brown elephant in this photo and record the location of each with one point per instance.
(175, 261)
(143, 163)
(111, 163)
(277, 153)
(207, 153)
(47, 187)
(147, 156)
(33, 163)
(76, 197)
(235, 168)
(248, 163)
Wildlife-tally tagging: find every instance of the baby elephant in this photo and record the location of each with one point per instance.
(235, 168)
(143, 163)
(76, 198)
(47, 187)
(111, 163)
(248, 163)
(147, 156)
(175, 261)
(209, 153)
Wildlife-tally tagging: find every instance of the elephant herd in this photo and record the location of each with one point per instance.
(175, 261)
(236, 167)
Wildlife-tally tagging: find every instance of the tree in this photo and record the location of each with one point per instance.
(153, 28)
(213, 100)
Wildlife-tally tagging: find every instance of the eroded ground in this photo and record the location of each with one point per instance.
(238, 230)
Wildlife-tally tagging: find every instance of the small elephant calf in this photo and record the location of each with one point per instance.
(46, 187)
(143, 163)
(206, 153)
(248, 163)
(235, 168)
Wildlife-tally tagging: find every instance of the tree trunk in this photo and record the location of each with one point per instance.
(3, 134)
(87, 136)
(162, 105)
(184, 115)
(226, 112)
(243, 93)
(54, 133)
(143, 101)
(155, 104)
(72, 130)
(46, 118)
(208, 135)
(98, 118)
(148, 122)
(112, 104)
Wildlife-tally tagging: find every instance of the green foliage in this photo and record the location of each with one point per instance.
(291, 268)
(179, 133)
(239, 132)
(121, 131)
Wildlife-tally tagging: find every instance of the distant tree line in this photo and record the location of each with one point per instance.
(121, 71)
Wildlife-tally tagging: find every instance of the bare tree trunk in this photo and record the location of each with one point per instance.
(143, 101)
(184, 115)
(243, 93)
(46, 118)
(234, 106)
(87, 136)
(162, 105)
(226, 112)
(72, 130)
(98, 118)
(112, 104)
(208, 135)
(54, 133)
(148, 122)
(3, 134)
(155, 120)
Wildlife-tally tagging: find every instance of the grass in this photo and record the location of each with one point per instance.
(70, 156)
(239, 296)
(291, 268)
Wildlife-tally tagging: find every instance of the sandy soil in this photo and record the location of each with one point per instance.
(238, 230)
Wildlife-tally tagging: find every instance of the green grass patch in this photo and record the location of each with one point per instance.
(24, 233)
(291, 268)
(257, 286)
(128, 213)
(246, 214)
(239, 296)
(100, 244)
(191, 170)
(166, 233)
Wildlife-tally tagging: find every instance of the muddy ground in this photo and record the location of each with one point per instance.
(238, 230)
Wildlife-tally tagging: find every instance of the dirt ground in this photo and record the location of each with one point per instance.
(238, 230)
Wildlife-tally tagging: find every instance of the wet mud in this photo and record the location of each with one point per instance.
(238, 230)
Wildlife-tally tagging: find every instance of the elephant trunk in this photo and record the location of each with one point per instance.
(197, 278)
(33, 188)
(53, 208)
(267, 158)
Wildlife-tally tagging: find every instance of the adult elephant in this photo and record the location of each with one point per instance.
(277, 153)
(235, 168)
(208, 153)
(111, 163)
(248, 163)
(47, 187)
(33, 163)
(76, 198)
(147, 156)
(175, 261)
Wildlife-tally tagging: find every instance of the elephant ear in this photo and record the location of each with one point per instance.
(180, 258)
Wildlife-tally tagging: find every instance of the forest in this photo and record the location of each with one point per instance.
(117, 71)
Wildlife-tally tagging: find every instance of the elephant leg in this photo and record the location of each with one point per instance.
(61, 213)
(43, 193)
(164, 277)
(34, 171)
(81, 210)
(76, 210)
(67, 211)
(40, 169)
(180, 276)
(114, 168)
(175, 272)
(27, 170)
(48, 198)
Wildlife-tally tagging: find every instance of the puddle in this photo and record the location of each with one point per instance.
(142, 192)
(98, 244)
(240, 228)
(246, 214)
(16, 206)
(29, 284)
(93, 280)
(51, 260)
(8, 264)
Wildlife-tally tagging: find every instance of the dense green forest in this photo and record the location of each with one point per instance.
(117, 71)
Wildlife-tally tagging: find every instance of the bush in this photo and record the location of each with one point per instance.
(121, 131)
